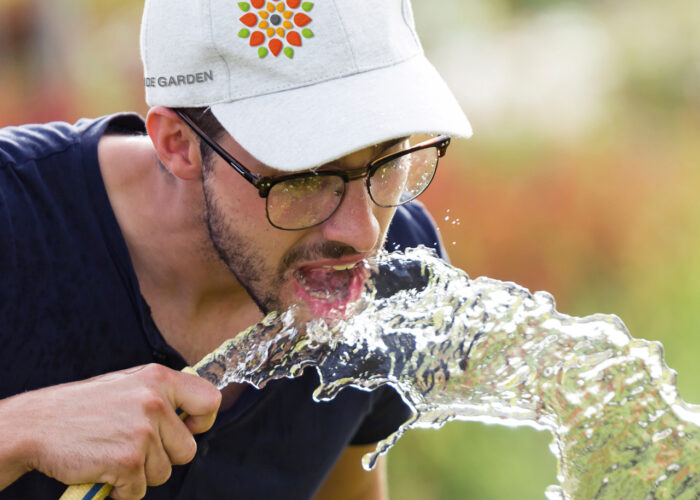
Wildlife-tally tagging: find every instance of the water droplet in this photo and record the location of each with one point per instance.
(447, 217)
(661, 435)
(673, 468)
(661, 478)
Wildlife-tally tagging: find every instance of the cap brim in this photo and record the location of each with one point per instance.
(313, 125)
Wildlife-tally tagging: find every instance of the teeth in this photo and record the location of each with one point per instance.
(342, 267)
(299, 277)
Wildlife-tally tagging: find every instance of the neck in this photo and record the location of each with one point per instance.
(189, 289)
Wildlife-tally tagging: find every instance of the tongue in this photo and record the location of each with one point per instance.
(320, 279)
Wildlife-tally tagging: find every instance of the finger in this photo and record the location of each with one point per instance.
(133, 487)
(198, 398)
(158, 466)
(200, 423)
(177, 440)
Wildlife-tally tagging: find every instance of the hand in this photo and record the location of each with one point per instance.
(119, 428)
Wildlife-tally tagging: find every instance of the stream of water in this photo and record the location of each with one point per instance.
(485, 350)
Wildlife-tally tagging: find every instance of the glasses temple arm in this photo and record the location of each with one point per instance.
(249, 176)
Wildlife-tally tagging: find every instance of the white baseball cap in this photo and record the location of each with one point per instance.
(297, 83)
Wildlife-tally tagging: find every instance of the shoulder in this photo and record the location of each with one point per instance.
(30, 142)
(35, 142)
(411, 226)
(49, 182)
(44, 166)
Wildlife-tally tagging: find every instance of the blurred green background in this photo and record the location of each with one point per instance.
(582, 178)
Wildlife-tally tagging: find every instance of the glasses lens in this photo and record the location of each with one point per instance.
(304, 201)
(403, 178)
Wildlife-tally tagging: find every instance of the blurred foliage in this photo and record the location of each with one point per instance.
(581, 179)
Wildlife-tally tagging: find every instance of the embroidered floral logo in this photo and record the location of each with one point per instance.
(279, 24)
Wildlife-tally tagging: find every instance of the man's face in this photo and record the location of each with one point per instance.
(320, 269)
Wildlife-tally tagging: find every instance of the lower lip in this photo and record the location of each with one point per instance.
(334, 306)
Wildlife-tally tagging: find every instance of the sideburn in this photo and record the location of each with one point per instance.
(230, 248)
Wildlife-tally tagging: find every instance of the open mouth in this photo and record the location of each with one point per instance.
(328, 290)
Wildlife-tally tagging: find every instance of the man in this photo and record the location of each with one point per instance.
(276, 155)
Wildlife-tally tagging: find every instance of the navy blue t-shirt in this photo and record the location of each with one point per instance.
(71, 308)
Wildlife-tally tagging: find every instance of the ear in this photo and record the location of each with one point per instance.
(175, 144)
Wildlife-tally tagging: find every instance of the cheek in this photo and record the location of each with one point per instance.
(244, 211)
(239, 200)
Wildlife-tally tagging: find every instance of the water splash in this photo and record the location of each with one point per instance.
(489, 351)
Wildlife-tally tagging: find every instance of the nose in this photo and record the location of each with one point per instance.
(354, 222)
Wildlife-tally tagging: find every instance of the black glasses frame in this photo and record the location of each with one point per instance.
(265, 183)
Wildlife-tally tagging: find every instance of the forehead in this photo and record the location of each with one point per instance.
(353, 160)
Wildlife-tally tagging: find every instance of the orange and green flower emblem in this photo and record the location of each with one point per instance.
(275, 26)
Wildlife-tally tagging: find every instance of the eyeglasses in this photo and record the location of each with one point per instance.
(307, 199)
